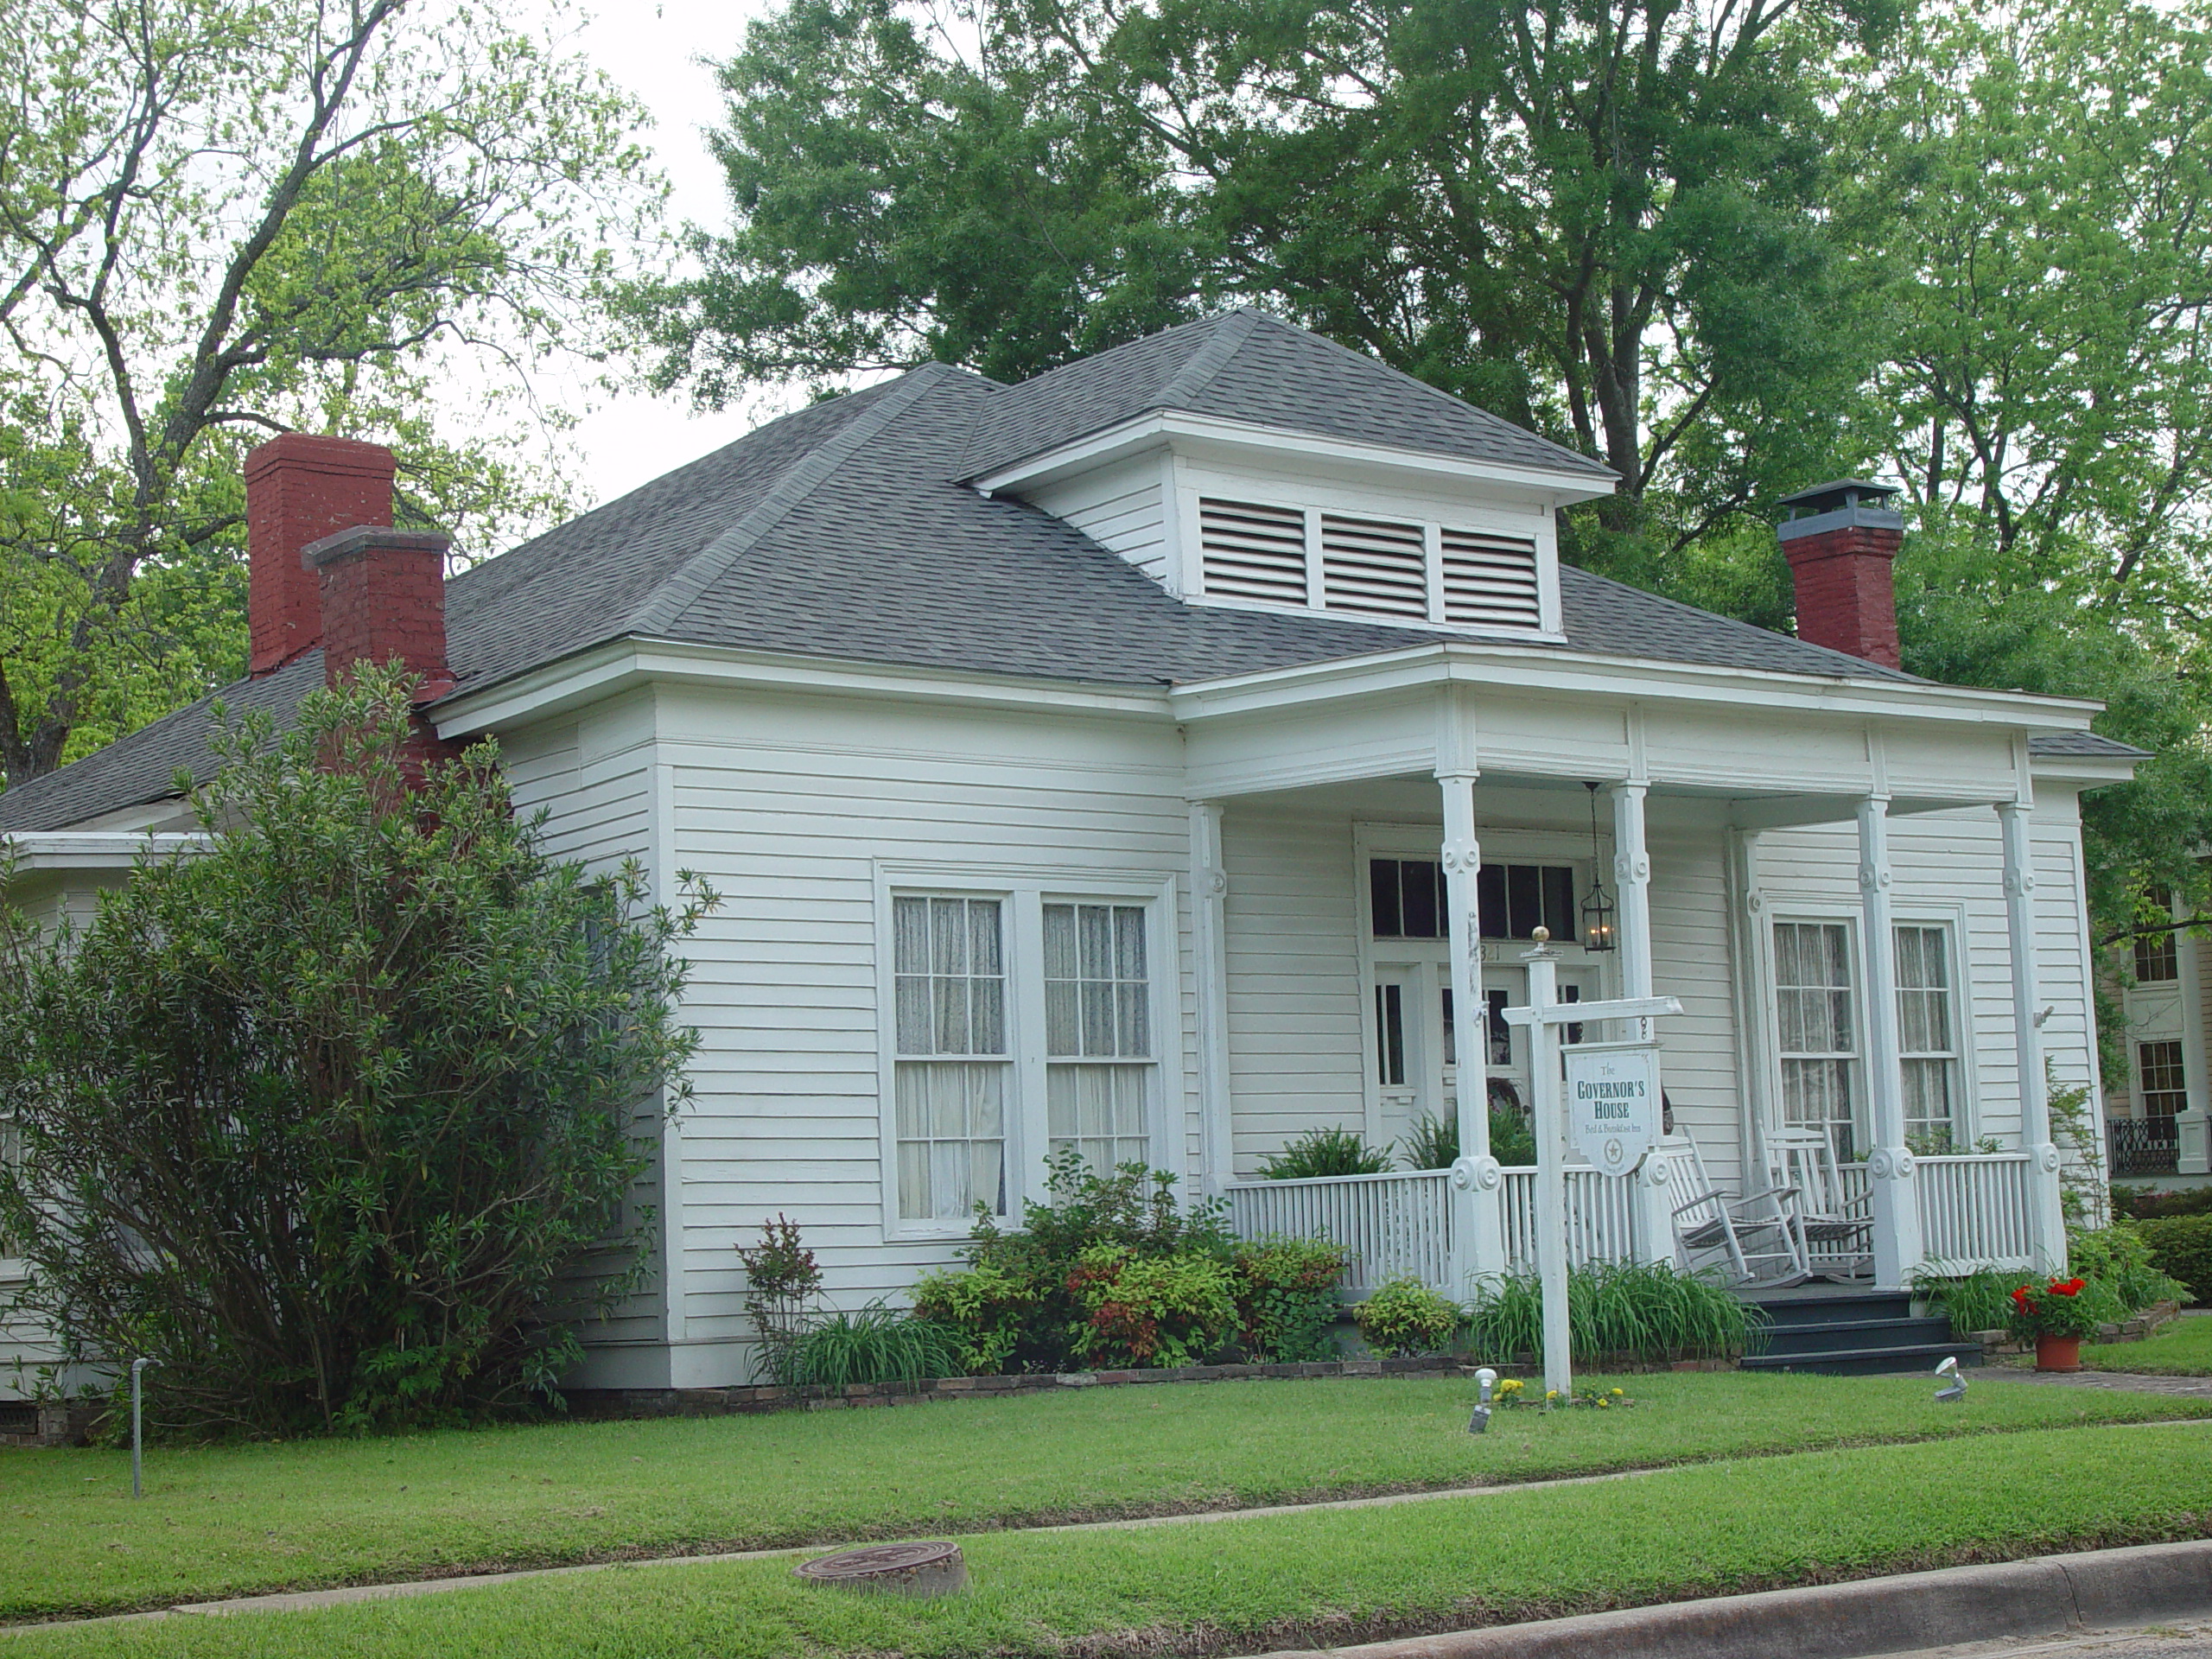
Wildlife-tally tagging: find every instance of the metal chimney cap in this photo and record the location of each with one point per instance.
(1838, 494)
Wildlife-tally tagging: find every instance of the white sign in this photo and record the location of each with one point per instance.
(1612, 1102)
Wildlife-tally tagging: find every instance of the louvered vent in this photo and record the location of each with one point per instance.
(1253, 552)
(1491, 580)
(1374, 567)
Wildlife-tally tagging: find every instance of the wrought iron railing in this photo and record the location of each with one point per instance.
(2143, 1146)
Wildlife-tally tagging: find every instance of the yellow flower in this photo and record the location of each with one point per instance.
(1619, 1394)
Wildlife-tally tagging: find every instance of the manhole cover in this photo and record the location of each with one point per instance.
(917, 1569)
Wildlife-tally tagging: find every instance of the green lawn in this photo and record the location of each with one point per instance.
(2183, 1349)
(1246, 1585)
(234, 1520)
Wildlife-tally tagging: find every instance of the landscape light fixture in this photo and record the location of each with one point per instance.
(1486, 1380)
(1598, 909)
(1958, 1390)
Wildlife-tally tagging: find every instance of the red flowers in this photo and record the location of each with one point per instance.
(2066, 1286)
(2052, 1309)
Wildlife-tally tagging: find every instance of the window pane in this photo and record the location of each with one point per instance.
(1094, 940)
(1098, 1112)
(1559, 903)
(1813, 1021)
(910, 925)
(1059, 942)
(1417, 899)
(1063, 1017)
(1390, 1036)
(1524, 900)
(950, 1118)
(1382, 894)
(2161, 1079)
(1489, 898)
(1128, 942)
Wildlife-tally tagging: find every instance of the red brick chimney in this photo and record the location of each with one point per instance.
(299, 488)
(383, 597)
(1840, 539)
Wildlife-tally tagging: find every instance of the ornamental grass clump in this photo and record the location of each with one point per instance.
(1646, 1312)
(1318, 1153)
(335, 1116)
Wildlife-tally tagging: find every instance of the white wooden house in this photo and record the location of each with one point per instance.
(2160, 1128)
(1153, 756)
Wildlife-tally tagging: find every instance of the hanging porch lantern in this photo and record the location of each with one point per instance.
(1598, 909)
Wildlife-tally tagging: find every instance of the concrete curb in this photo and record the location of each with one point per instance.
(2048, 1596)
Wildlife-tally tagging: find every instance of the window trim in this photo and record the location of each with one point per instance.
(1024, 890)
(1959, 992)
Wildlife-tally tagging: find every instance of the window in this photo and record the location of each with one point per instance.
(1813, 993)
(1927, 1042)
(2158, 960)
(2161, 1080)
(1408, 897)
(954, 1069)
(1097, 1032)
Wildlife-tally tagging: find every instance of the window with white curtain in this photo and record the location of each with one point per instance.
(1098, 1044)
(1813, 991)
(954, 1072)
(1927, 1038)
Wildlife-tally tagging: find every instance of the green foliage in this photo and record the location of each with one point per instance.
(1646, 1311)
(2122, 1270)
(1326, 1152)
(223, 218)
(337, 1117)
(1433, 1141)
(2147, 1204)
(2180, 1247)
(1981, 1300)
(1150, 1310)
(879, 1344)
(1287, 1301)
(2082, 1192)
(986, 1309)
(2054, 1307)
(1403, 1318)
(1512, 1137)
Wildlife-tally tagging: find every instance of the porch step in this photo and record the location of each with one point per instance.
(1842, 1331)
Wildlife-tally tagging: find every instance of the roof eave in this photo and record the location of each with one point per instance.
(1187, 433)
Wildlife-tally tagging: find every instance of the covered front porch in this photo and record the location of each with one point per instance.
(1871, 926)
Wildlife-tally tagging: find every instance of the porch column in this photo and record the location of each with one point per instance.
(1655, 1221)
(1479, 1237)
(1210, 972)
(1890, 1165)
(2046, 1214)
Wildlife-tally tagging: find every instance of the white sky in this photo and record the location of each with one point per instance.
(651, 47)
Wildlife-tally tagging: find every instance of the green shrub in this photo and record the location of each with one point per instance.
(1015, 1306)
(1285, 1291)
(1326, 1152)
(1644, 1310)
(336, 1116)
(2144, 1203)
(1404, 1316)
(983, 1309)
(2123, 1276)
(2181, 1246)
(1151, 1310)
(1433, 1142)
(877, 1344)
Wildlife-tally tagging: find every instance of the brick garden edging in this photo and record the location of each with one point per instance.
(2141, 1328)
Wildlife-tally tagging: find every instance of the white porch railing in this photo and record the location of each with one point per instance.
(1396, 1226)
(1974, 1211)
(1399, 1225)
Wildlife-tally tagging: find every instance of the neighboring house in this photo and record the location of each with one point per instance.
(2159, 1126)
(1158, 758)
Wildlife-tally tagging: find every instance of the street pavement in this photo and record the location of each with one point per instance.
(2187, 1639)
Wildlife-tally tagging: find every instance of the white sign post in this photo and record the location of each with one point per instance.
(1543, 1017)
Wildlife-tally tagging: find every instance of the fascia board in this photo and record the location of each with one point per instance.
(93, 849)
(2082, 772)
(1572, 673)
(606, 671)
(1211, 437)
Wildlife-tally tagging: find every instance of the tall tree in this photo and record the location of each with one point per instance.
(1593, 215)
(220, 219)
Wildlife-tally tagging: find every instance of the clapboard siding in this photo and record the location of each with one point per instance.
(1123, 507)
(1291, 920)
(1691, 960)
(786, 809)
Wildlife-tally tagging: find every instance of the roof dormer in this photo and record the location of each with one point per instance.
(1245, 463)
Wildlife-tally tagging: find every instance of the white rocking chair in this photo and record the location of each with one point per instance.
(1750, 1239)
(1836, 1231)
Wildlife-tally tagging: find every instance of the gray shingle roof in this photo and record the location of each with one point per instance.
(2084, 745)
(841, 532)
(1250, 366)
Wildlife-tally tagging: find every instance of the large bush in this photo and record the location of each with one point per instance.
(2182, 1246)
(336, 1117)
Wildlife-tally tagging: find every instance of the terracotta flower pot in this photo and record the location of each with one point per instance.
(2059, 1353)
